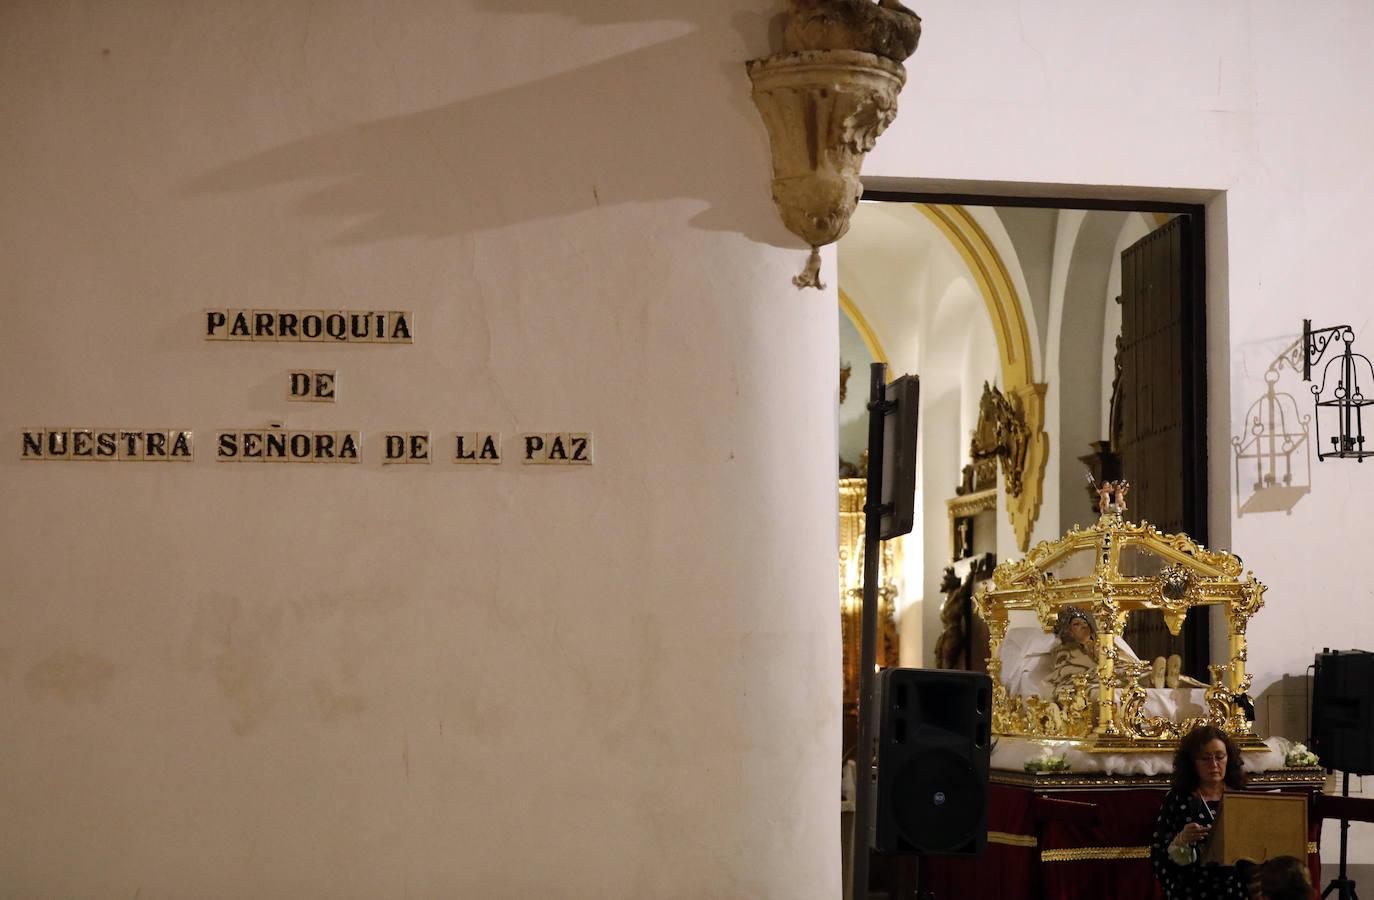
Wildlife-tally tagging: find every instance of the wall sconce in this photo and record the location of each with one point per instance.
(824, 100)
(1346, 401)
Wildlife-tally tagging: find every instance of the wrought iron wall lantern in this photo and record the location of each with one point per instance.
(1345, 402)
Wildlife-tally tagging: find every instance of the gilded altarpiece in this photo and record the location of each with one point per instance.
(852, 493)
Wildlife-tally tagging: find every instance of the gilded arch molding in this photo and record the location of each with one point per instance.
(866, 332)
(1014, 351)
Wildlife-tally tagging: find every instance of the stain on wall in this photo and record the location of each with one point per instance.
(332, 705)
(280, 652)
(238, 644)
(72, 675)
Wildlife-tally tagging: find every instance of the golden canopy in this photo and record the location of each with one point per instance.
(1112, 569)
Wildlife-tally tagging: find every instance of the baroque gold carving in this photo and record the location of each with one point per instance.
(1189, 575)
(1010, 432)
(1024, 507)
(825, 100)
(851, 550)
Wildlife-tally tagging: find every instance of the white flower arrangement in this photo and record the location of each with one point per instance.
(1300, 757)
(1047, 761)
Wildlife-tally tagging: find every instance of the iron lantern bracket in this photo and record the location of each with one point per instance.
(1315, 342)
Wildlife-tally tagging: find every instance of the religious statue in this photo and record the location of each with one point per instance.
(949, 647)
(1075, 653)
(1111, 497)
(1159, 671)
(957, 648)
(963, 537)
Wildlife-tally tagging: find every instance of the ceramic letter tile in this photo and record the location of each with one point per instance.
(130, 445)
(106, 444)
(417, 447)
(264, 323)
(378, 327)
(555, 448)
(324, 386)
(251, 446)
(394, 448)
(156, 445)
(533, 450)
(58, 444)
(82, 445)
(240, 327)
(350, 444)
(226, 446)
(300, 446)
(489, 448)
(335, 326)
(580, 448)
(401, 327)
(183, 446)
(359, 326)
(326, 450)
(463, 449)
(312, 326)
(298, 385)
(276, 445)
(288, 325)
(31, 443)
(216, 325)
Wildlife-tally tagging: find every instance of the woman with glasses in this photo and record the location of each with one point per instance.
(1205, 765)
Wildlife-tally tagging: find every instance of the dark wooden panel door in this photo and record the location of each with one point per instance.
(1163, 435)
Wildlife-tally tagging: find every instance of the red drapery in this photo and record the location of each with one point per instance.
(1040, 848)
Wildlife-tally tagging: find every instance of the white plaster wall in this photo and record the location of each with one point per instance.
(1264, 102)
(1080, 342)
(236, 681)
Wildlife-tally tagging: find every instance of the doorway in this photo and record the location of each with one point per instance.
(1088, 320)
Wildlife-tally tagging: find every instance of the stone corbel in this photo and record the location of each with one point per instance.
(825, 100)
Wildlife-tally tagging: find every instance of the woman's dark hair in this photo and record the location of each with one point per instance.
(1185, 759)
(1285, 878)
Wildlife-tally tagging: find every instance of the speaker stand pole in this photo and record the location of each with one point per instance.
(863, 751)
(1344, 887)
(923, 891)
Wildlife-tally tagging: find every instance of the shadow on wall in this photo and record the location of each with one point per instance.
(1273, 454)
(668, 121)
(1284, 708)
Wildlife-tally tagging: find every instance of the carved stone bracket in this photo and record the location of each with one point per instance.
(824, 102)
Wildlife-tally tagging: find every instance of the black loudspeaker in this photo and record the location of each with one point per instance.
(899, 457)
(1343, 710)
(934, 743)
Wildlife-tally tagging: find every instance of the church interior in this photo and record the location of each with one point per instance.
(553, 323)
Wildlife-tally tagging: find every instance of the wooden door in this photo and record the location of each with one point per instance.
(1163, 386)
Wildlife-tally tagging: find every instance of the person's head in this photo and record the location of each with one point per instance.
(1075, 626)
(1283, 878)
(1207, 755)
